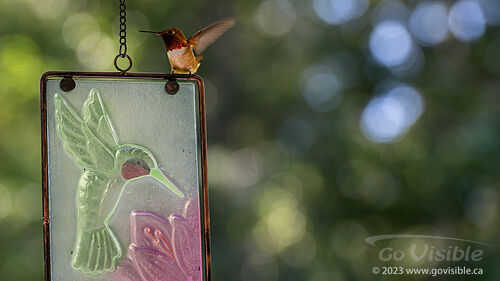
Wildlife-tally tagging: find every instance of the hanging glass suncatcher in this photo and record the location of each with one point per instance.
(124, 172)
(125, 184)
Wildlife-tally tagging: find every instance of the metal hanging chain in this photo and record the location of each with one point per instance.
(123, 28)
(122, 53)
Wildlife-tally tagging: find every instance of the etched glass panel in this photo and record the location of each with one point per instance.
(124, 181)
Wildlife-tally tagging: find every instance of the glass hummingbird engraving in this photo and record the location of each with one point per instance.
(106, 165)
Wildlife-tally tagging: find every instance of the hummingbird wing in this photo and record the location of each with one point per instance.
(98, 121)
(205, 37)
(79, 141)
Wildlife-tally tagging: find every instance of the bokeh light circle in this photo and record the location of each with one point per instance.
(466, 20)
(339, 11)
(275, 18)
(322, 92)
(429, 23)
(390, 43)
(388, 116)
(77, 27)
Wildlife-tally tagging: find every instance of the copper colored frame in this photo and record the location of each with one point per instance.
(203, 149)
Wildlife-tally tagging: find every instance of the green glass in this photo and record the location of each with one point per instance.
(124, 153)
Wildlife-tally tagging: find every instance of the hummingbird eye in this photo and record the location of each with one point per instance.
(134, 168)
(170, 32)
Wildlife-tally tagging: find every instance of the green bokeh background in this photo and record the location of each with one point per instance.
(294, 191)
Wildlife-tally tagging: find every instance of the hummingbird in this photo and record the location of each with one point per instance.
(180, 49)
(106, 165)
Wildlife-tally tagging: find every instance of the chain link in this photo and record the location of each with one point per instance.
(123, 29)
(122, 53)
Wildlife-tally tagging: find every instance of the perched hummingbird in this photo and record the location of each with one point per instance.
(106, 165)
(180, 50)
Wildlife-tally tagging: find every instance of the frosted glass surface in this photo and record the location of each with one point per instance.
(156, 227)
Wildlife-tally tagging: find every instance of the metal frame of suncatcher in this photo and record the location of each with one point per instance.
(121, 76)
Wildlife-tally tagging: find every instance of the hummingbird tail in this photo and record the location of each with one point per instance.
(96, 251)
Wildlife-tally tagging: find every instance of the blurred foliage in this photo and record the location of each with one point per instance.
(301, 171)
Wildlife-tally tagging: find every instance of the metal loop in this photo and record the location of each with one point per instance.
(123, 50)
(123, 70)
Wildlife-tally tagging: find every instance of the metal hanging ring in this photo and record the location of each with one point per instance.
(122, 52)
(123, 70)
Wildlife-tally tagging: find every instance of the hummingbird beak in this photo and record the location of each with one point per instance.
(159, 176)
(147, 31)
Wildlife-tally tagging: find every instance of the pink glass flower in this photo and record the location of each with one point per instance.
(163, 249)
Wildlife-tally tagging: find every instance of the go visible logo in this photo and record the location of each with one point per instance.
(461, 251)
